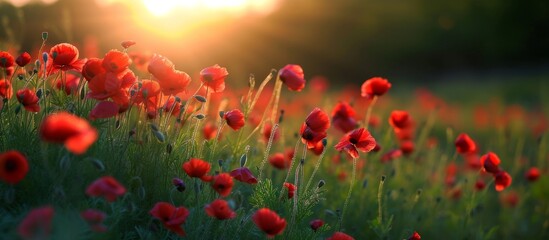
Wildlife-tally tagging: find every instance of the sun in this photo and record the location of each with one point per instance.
(160, 7)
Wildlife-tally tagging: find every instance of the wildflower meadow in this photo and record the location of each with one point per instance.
(127, 145)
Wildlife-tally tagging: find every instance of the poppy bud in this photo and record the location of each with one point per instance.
(243, 160)
(98, 164)
(65, 163)
(200, 98)
(179, 184)
(220, 162)
(169, 148)
(251, 81)
(154, 127)
(324, 142)
(178, 99)
(383, 178)
(321, 183)
(44, 36)
(281, 117)
(127, 44)
(221, 114)
(200, 116)
(365, 183)
(45, 56)
(160, 136)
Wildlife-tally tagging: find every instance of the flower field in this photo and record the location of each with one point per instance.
(129, 146)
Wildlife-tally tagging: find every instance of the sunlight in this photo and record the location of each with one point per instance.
(177, 18)
(164, 7)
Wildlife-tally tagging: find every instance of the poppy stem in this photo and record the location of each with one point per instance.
(290, 167)
(353, 176)
(380, 201)
(277, 89)
(369, 112)
(317, 166)
(219, 129)
(267, 150)
(294, 210)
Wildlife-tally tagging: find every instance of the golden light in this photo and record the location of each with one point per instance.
(177, 18)
(164, 7)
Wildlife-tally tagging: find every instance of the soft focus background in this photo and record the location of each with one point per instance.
(346, 41)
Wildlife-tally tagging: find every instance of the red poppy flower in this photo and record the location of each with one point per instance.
(174, 82)
(112, 85)
(219, 209)
(533, 174)
(490, 162)
(278, 160)
(400, 119)
(6, 59)
(358, 139)
(23, 59)
(223, 184)
(291, 189)
(510, 199)
(407, 147)
(62, 127)
(37, 223)
(28, 99)
(197, 168)
(234, 118)
(106, 187)
(503, 180)
(210, 131)
(318, 148)
(292, 75)
(69, 84)
(415, 236)
(214, 77)
(243, 174)
(159, 66)
(451, 171)
(170, 216)
(95, 219)
(269, 222)
(316, 224)
(65, 57)
(473, 161)
(149, 95)
(343, 117)
(13, 167)
(104, 109)
(314, 128)
(267, 128)
(6, 91)
(464, 144)
(93, 67)
(480, 185)
(116, 61)
(340, 236)
(391, 155)
(375, 87)
(171, 106)
(127, 44)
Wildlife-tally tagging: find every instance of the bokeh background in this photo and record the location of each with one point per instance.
(466, 41)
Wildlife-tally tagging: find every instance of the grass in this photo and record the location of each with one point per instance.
(389, 200)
